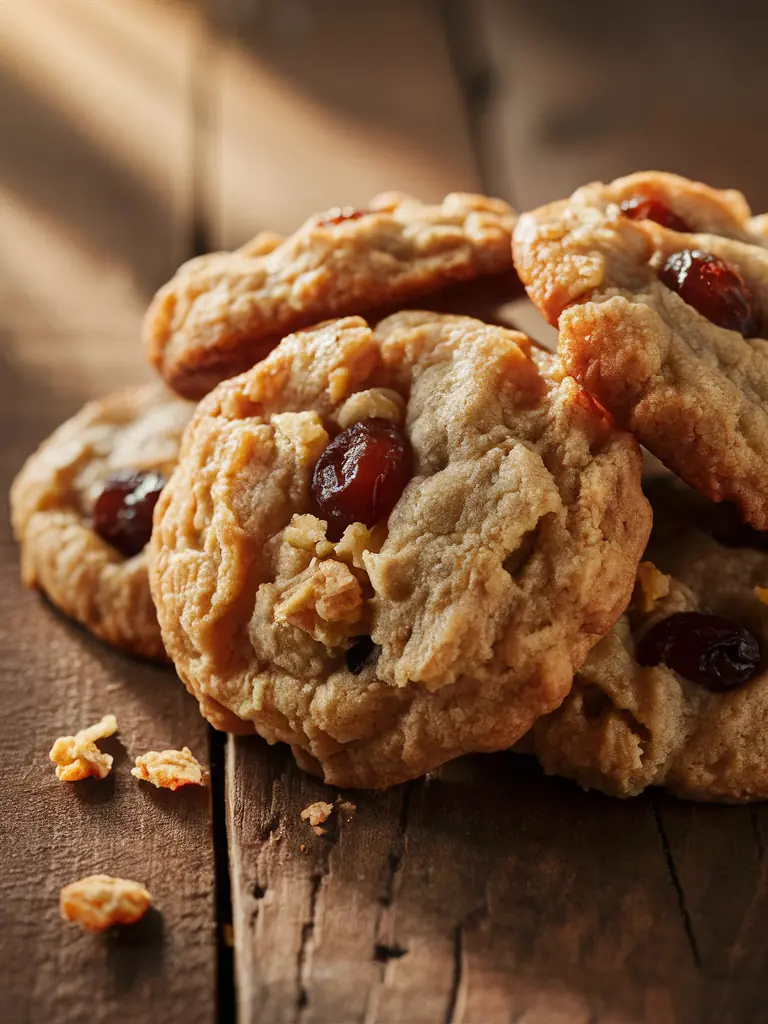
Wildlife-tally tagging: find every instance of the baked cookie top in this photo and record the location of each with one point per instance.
(223, 312)
(677, 695)
(390, 547)
(659, 288)
(81, 509)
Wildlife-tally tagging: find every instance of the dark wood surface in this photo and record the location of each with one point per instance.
(137, 133)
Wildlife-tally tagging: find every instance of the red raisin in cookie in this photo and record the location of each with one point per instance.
(390, 547)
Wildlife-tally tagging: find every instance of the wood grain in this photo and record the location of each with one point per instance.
(95, 170)
(93, 214)
(327, 102)
(577, 92)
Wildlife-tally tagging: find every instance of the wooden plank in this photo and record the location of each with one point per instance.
(55, 679)
(483, 893)
(93, 214)
(95, 179)
(574, 94)
(325, 103)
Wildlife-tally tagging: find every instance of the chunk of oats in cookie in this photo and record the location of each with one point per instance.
(307, 533)
(317, 814)
(358, 539)
(100, 901)
(77, 757)
(372, 404)
(169, 769)
(652, 585)
(325, 601)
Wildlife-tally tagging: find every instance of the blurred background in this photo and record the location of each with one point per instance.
(136, 133)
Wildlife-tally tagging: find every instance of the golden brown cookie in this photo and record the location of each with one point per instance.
(223, 312)
(98, 477)
(390, 547)
(677, 695)
(659, 287)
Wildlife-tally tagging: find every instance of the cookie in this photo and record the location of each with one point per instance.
(677, 695)
(659, 288)
(82, 506)
(223, 312)
(390, 547)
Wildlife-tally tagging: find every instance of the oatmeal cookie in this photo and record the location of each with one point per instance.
(223, 312)
(659, 288)
(677, 695)
(82, 512)
(392, 594)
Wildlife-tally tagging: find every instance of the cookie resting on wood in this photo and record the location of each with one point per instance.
(454, 622)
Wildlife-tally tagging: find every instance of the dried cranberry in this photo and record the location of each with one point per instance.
(360, 475)
(359, 654)
(716, 290)
(340, 215)
(710, 650)
(122, 513)
(644, 208)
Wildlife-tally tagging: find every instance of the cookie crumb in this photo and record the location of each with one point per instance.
(77, 757)
(303, 848)
(100, 901)
(169, 769)
(652, 585)
(316, 814)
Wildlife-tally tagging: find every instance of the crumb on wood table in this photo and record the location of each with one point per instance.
(100, 901)
(77, 757)
(169, 769)
(320, 811)
(316, 814)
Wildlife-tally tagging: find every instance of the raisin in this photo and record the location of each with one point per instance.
(122, 513)
(361, 475)
(715, 652)
(341, 214)
(359, 654)
(645, 208)
(716, 290)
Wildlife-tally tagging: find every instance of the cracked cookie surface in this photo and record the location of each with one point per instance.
(136, 431)
(449, 626)
(223, 312)
(692, 391)
(626, 726)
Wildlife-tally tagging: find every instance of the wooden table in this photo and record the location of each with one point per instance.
(135, 134)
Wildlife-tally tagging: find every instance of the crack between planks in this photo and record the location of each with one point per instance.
(307, 933)
(395, 862)
(475, 74)
(225, 960)
(456, 977)
(681, 901)
(756, 832)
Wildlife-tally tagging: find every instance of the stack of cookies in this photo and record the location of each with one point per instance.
(395, 530)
